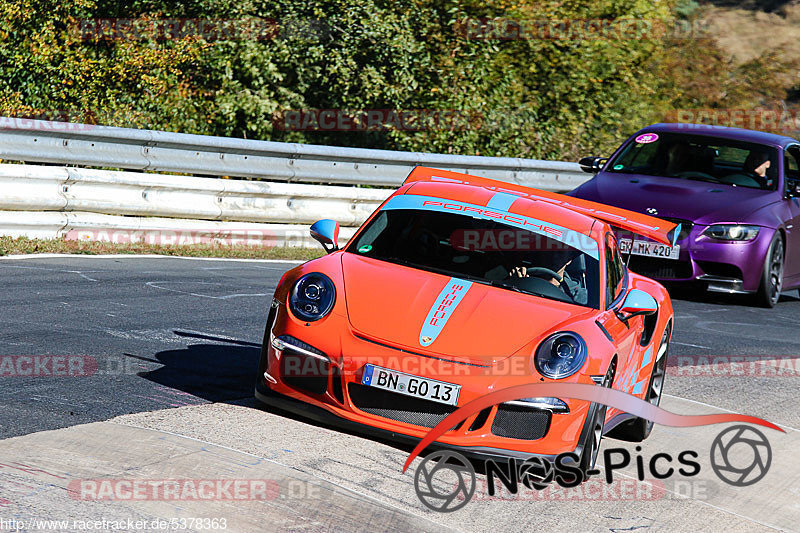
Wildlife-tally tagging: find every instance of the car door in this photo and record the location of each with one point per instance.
(624, 336)
(791, 177)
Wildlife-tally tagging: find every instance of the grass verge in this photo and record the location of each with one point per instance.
(24, 245)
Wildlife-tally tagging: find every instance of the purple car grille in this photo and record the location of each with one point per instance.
(686, 226)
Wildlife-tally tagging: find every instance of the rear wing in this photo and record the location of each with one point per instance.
(651, 227)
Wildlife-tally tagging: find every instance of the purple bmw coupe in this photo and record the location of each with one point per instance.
(736, 193)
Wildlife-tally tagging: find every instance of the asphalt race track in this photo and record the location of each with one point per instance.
(169, 348)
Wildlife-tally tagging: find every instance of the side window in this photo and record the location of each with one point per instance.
(791, 168)
(791, 163)
(615, 269)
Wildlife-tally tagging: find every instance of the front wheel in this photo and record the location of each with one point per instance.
(772, 279)
(639, 429)
(597, 415)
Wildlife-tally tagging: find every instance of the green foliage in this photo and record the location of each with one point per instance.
(686, 9)
(538, 98)
(47, 69)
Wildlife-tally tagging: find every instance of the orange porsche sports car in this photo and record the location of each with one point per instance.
(458, 286)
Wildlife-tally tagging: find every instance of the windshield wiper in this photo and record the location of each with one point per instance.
(708, 180)
(501, 285)
(492, 283)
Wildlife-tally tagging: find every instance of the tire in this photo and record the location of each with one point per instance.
(638, 429)
(769, 291)
(597, 414)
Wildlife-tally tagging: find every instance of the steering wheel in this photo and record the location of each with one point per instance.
(745, 180)
(547, 274)
(541, 272)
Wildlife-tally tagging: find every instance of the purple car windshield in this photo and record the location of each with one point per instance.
(699, 157)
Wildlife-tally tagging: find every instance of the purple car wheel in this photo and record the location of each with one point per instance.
(772, 279)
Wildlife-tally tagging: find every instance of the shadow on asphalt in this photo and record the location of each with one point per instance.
(213, 372)
(226, 373)
(698, 294)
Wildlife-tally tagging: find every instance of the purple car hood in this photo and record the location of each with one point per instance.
(701, 202)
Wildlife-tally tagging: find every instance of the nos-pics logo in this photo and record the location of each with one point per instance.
(445, 481)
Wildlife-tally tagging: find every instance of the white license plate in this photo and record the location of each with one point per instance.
(649, 249)
(410, 385)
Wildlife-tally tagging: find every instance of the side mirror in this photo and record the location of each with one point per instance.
(326, 232)
(637, 303)
(592, 165)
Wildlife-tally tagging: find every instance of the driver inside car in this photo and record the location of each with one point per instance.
(572, 273)
(756, 165)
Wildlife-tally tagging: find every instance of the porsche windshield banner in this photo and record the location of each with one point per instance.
(573, 238)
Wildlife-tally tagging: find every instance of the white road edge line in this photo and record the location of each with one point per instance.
(148, 256)
(722, 509)
(721, 409)
(689, 344)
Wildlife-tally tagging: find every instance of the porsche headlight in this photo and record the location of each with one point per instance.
(560, 355)
(312, 297)
(732, 232)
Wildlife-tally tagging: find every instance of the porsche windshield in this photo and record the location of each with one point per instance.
(484, 251)
(699, 157)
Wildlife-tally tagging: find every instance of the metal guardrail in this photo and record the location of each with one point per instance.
(103, 146)
(291, 184)
(91, 204)
(49, 188)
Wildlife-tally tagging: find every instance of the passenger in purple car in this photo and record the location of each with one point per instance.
(677, 158)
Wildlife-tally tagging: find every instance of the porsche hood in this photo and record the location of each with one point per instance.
(444, 316)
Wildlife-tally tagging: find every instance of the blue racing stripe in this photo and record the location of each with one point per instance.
(501, 201)
(647, 356)
(442, 309)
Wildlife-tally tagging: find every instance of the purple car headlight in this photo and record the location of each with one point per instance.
(732, 232)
